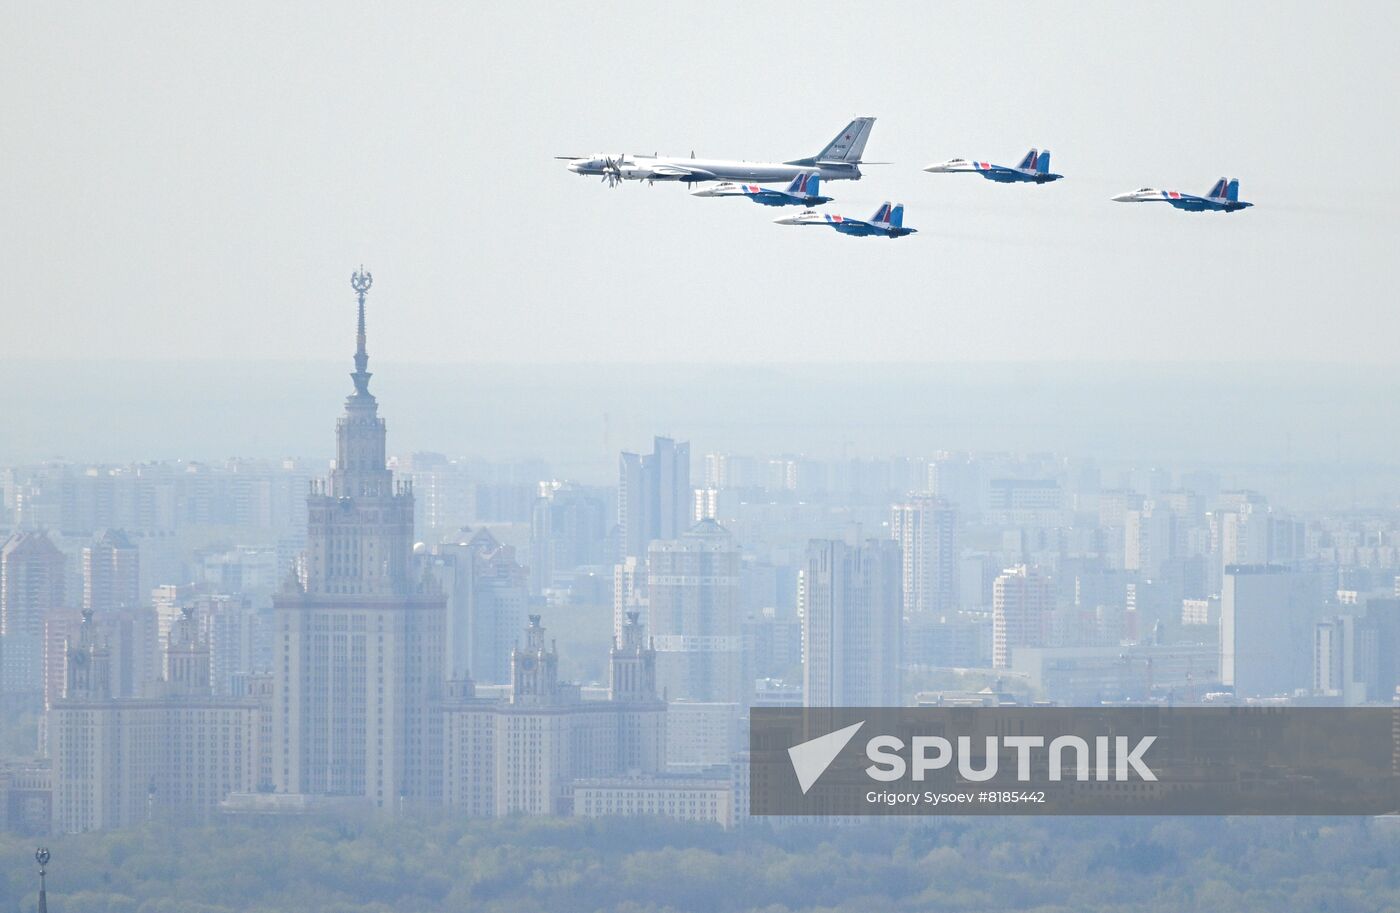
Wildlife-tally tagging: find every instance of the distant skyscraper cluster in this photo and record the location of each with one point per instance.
(263, 638)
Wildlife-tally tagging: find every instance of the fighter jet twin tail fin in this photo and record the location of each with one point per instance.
(1226, 189)
(890, 215)
(1036, 161)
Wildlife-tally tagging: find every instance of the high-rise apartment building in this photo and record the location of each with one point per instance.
(487, 593)
(1268, 616)
(852, 615)
(568, 529)
(654, 497)
(926, 529)
(240, 639)
(1383, 674)
(1340, 649)
(1022, 601)
(959, 480)
(693, 607)
(1152, 535)
(111, 573)
(31, 582)
(31, 594)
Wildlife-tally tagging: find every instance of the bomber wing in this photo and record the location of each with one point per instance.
(674, 172)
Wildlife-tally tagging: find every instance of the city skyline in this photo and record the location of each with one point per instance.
(655, 556)
(332, 643)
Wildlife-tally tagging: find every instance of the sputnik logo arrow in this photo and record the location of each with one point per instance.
(811, 758)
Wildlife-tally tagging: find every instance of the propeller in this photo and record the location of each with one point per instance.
(612, 171)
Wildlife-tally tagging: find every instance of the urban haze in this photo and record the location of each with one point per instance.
(394, 520)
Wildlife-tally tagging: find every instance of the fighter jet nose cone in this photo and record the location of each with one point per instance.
(1123, 198)
(702, 193)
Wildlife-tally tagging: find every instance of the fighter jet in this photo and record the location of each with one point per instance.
(805, 190)
(839, 160)
(1223, 197)
(1034, 169)
(887, 221)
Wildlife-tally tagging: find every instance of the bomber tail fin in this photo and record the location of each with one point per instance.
(1042, 162)
(1028, 162)
(849, 144)
(1218, 190)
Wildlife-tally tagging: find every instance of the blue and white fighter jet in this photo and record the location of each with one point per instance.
(805, 190)
(1223, 197)
(1034, 169)
(888, 222)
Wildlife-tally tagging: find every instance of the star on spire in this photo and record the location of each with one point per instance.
(361, 281)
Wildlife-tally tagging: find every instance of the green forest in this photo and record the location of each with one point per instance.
(346, 865)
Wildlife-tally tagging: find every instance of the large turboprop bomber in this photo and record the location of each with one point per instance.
(841, 159)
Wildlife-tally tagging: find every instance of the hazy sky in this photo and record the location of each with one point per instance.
(199, 179)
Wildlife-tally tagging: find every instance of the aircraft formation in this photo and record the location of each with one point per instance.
(841, 160)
